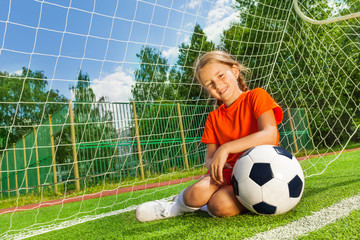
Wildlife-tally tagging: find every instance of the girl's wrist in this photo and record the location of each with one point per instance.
(224, 148)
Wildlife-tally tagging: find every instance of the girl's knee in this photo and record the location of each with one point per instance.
(193, 197)
(224, 203)
(198, 194)
(222, 208)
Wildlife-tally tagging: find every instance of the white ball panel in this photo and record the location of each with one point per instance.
(287, 205)
(299, 171)
(275, 192)
(284, 168)
(249, 191)
(263, 153)
(242, 168)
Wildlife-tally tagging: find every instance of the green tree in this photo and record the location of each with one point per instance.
(151, 82)
(83, 91)
(182, 76)
(352, 66)
(301, 64)
(25, 102)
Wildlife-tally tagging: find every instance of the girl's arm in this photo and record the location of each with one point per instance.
(267, 134)
(210, 151)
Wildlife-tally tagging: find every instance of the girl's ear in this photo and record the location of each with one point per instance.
(235, 70)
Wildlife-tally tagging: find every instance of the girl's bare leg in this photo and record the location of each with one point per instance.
(200, 192)
(223, 203)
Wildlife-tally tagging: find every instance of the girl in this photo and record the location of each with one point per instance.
(244, 120)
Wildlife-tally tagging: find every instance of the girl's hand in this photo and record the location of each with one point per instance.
(228, 165)
(217, 165)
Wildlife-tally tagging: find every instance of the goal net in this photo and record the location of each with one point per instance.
(99, 106)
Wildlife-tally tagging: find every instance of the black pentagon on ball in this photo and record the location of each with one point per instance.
(283, 152)
(264, 208)
(295, 187)
(235, 185)
(261, 173)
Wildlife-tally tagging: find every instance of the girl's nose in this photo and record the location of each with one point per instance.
(218, 86)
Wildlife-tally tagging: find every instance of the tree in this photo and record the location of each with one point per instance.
(302, 65)
(25, 102)
(182, 76)
(82, 91)
(151, 78)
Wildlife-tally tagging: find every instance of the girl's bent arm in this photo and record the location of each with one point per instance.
(210, 151)
(267, 134)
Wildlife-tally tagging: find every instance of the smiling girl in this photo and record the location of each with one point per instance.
(245, 119)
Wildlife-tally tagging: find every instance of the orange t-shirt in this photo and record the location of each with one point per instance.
(240, 119)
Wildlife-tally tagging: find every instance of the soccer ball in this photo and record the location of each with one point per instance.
(268, 180)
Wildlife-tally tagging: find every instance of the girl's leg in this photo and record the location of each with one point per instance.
(195, 196)
(200, 192)
(189, 200)
(223, 203)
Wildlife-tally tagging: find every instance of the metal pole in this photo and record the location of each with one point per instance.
(186, 162)
(307, 118)
(15, 172)
(76, 168)
(138, 142)
(25, 167)
(53, 155)
(292, 130)
(8, 174)
(1, 189)
(37, 159)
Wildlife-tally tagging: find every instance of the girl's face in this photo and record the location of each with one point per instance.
(220, 80)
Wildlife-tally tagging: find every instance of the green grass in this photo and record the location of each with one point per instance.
(340, 180)
(350, 145)
(48, 194)
(346, 228)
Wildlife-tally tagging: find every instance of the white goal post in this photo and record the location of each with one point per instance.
(326, 21)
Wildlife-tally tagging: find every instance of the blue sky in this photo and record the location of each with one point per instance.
(101, 37)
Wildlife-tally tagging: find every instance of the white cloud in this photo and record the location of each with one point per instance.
(219, 18)
(18, 72)
(194, 3)
(115, 86)
(171, 53)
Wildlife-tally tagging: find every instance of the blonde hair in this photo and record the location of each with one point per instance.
(224, 58)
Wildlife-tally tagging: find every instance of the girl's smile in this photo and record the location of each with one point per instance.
(220, 80)
(221, 92)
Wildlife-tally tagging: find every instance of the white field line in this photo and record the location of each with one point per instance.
(313, 222)
(290, 231)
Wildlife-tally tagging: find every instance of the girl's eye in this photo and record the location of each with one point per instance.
(211, 85)
(221, 75)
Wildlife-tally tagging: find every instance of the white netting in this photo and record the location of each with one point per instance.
(136, 113)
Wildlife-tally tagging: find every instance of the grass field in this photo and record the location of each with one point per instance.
(340, 181)
(48, 195)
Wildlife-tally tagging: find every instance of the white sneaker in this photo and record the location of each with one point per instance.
(154, 210)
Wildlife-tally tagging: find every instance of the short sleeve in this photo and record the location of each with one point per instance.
(209, 135)
(262, 102)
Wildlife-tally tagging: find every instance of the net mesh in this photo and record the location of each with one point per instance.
(136, 113)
